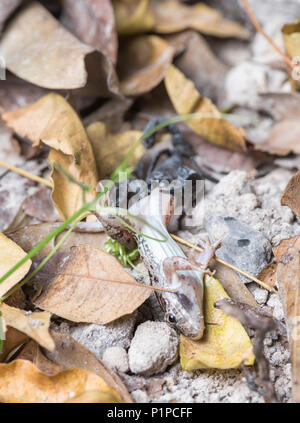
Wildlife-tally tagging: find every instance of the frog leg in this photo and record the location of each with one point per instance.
(174, 264)
(203, 259)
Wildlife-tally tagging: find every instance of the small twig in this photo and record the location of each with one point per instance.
(262, 322)
(231, 266)
(258, 27)
(26, 174)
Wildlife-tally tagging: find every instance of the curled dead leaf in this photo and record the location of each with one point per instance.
(225, 344)
(144, 62)
(288, 281)
(30, 55)
(7, 8)
(133, 16)
(69, 354)
(169, 16)
(22, 382)
(35, 325)
(54, 122)
(93, 23)
(28, 236)
(186, 99)
(11, 254)
(173, 16)
(31, 352)
(291, 194)
(14, 339)
(110, 149)
(83, 291)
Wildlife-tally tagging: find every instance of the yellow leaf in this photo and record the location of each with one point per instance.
(110, 149)
(90, 397)
(291, 38)
(169, 16)
(35, 325)
(173, 16)
(186, 99)
(54, 122)
(83, 291)
(225, 344)
(22, 382)
(143, 64)
(133, 16)
(11, 253)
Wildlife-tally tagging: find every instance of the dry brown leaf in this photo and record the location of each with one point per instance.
(283, 138)
(199, 63)
(133, 16)
(41, 206)
(291, 194)
(111, 113)
(288, 280)
(7, 7)
(221, 160)
(11, 254)
(17, 93)
(14, 339)
(225, 344)
(85, 297)
(34, 234)
(186, 99)
(53, 121)
(28, 236)
(110, 149)
(31, 352)
(22, 382)
(35, 325)
(140, 16)
(233, 285)
(51, 57)
(143, 64)
(70, 354)
(93, 23)
(268, 275)
(173, 16)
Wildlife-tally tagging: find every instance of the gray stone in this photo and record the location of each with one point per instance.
(242, 246)
(97, 338)
(153, 348)
(116, 358)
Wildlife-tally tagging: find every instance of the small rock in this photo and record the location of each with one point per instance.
(153, 348)
(242, 246)
(139, 396)
(97, 338)
(275, 304)
(260, 295)
(117, 359)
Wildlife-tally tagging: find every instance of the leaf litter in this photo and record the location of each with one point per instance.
(82, 108)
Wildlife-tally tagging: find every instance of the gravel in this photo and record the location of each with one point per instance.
(97, 338)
